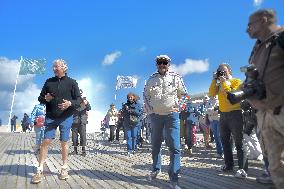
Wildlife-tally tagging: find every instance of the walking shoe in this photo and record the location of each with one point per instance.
(153, 175)
(84, 154)
(264, 179)
(64, 174)
(124, 142)
(37, 177)
(241, 174)
(73, 153)
(175, 185)
(129, 154)
(225, 168)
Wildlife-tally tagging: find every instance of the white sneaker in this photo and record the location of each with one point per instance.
(241, 174)
(124, 142)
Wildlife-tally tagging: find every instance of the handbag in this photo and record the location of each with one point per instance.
(39, 121)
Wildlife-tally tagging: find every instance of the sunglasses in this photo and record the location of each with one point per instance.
(162, 62)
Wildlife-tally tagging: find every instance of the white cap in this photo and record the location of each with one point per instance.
(163, 56)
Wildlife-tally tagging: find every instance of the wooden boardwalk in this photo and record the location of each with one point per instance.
(107, 166)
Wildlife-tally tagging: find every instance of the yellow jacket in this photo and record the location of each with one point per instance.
(221, 90)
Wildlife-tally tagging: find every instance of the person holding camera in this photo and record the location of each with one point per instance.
(131, 116)
(162, 94)
(231, 120)
(268, 57)
(80, 120)
(61, 96)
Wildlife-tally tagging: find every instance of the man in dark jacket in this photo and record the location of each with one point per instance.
(61, 96)
(268, 57)
(13, 123)
(80, 121)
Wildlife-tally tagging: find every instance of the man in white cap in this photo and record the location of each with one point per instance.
(162, 93)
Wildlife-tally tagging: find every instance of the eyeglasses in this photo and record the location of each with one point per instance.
(162, 62)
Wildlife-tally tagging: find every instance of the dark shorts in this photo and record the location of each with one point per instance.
(64, 128)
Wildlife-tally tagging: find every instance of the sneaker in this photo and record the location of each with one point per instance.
(124, 142)
(147, 141)
(64, 174)
(37, 177)
(73, 153)
(241, 174)
(84, 153)
(264, 179)
(129, 154)
(225, 168)
(153, 175)
(175, 185)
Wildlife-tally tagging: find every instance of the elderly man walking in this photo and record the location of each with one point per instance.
(162, 93)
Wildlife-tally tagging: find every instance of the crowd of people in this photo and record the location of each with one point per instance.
(232, 112)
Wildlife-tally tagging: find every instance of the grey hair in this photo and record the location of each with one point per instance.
(270, 14)
(62, 63)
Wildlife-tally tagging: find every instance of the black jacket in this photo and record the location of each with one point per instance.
(60, 88)
(81, 114)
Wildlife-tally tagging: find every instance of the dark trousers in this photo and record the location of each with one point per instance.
(188, 133)
(111, 132)
(119, 126)
(231, 124)
(79, 129)
(13, 127)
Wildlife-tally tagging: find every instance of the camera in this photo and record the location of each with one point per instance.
(220, 73)
(253, 88)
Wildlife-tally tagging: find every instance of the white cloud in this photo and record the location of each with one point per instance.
(257, 2)
(191, 66)
(91, 90)
(110, 58)
(26, 93)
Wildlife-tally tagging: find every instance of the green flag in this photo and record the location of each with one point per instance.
(32, 66)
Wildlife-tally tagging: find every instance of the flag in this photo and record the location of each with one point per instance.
(32, 66)
(126, 82)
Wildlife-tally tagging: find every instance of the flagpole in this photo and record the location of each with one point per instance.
(14, 94)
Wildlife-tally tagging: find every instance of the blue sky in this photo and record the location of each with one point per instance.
(197, 35)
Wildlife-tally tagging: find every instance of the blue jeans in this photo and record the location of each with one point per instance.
(215, 127)
(170, 125)
(39, 131)
(131, 137)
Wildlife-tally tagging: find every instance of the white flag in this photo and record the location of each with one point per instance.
(126, 82)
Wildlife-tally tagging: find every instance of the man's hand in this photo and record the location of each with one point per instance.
(66, 104)
(48, 97)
